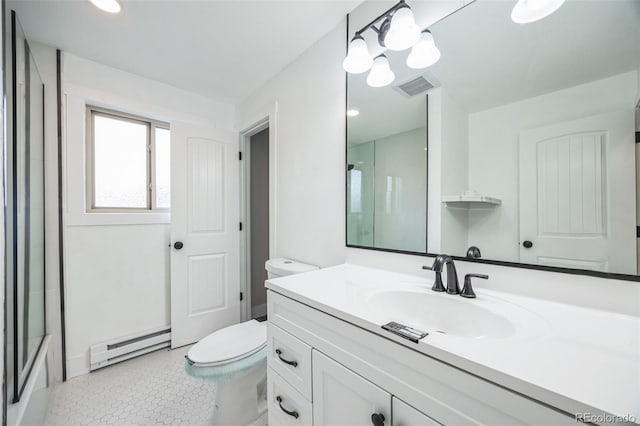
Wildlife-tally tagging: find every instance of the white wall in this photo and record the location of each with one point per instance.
(447, 173)
(306, 104)
(116, 265)
(494, 133)
(454, 175)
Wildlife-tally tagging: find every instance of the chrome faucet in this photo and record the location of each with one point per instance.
(441, 261)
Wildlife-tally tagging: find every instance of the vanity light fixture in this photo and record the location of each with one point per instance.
(527, 11)
(353, 113)
(397, 30)
(424, 53)
(109, 6)
(380, 74)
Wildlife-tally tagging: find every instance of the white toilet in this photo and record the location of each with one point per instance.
(235, 357)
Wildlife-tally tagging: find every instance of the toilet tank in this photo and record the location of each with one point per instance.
(282, 267)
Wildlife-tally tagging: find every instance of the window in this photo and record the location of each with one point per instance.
(128, 165)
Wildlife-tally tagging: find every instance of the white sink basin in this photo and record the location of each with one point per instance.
(451, 315)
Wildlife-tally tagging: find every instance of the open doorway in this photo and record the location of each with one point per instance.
(255, 206)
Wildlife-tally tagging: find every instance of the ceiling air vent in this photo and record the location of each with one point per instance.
(414, 87)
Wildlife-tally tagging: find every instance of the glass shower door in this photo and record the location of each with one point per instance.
(25, 297)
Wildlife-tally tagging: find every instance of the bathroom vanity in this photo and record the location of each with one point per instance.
(500, 359)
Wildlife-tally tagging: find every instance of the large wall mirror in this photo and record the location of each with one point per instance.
(519, 142)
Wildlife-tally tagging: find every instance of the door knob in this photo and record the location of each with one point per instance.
(527, 244)
(377, 419)
(178, 245)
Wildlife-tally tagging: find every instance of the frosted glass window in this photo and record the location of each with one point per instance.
(120, 163)
(130, 162)
(163, 169)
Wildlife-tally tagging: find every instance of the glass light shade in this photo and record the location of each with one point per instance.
(526, 11)
(424, 53)
(109, 6)
(380, 74)
(403, 31)
(358, 59)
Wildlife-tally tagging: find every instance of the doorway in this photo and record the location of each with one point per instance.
(255, 202)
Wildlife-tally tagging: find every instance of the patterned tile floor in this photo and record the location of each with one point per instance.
(149, 390)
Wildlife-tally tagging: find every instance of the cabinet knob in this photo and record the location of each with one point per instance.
(377, 419)
(527, 244)
(178, 245)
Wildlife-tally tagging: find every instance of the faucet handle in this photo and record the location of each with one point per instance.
(437, 284)
(467, 290)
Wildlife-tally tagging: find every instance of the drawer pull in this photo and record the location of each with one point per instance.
(286, 361)
(293, 414)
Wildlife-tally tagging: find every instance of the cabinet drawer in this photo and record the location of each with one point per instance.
(343, 398)
(290, 358)
(406, 415)
(286, 406)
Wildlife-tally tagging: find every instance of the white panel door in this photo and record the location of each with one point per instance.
(577, 194)
(204, 222)
(343, 398)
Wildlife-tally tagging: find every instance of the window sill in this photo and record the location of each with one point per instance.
(104, 218)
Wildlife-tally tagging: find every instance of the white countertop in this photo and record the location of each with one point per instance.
(569, 357)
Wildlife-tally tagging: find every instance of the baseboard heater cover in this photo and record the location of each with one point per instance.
(124, 348)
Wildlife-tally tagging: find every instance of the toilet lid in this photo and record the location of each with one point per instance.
(229, 343)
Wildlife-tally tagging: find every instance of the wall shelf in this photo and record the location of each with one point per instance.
(474, 201)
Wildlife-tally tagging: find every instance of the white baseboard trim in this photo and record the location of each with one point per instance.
(78, 365)
(259, 311)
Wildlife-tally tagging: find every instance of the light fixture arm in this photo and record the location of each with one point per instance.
(385, 17)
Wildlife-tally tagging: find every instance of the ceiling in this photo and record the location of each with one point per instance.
(500, 62)
(487, 60)
(219, 49)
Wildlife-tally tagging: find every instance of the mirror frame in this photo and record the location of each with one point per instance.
(583, 272)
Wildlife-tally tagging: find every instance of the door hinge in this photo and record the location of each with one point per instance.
(240, 155)
(637, 231)
(241, 226)
(241, 296)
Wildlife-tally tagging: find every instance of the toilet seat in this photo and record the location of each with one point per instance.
(229, 344)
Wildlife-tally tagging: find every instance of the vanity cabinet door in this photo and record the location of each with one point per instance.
(343, 398)
(406, 415)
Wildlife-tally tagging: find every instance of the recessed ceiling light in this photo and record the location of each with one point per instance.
(109, 6)
(352, 113)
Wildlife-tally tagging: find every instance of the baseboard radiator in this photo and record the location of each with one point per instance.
(124, 348)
